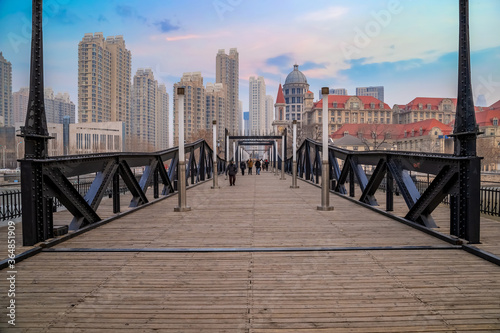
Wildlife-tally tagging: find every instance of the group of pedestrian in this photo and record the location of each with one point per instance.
(232, 169)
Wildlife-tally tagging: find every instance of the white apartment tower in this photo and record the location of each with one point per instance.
(257, 104)
(269, 116)
(149, 111)
(194, 106)
(215, 95)
(57, 106)
(6, 118)
(227, 73)
(104, 75)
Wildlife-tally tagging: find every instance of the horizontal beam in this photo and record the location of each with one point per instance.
(260, 249)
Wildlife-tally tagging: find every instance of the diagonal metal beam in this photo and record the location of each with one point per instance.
(433, 196)
(101, 181)
(135, 189)
(66, 193)
(368, 195)
(405, 184)
(168, 187)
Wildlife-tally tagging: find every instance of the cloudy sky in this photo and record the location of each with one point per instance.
(408, 46)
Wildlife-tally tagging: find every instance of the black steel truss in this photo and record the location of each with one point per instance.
(52, 174)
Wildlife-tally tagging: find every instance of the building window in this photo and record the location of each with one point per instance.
(495, 121)
(406, 134)
(420, 106)
(286, 100)
(429, 107)
(293, 100)
(372, 105)
(346, 133)
(354, 105)
(420, 131)
(298, 118)
(293, 90)
(286, 92)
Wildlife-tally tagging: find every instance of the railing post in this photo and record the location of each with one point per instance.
(294, 156)
(37, 215)
(283, 148)
(325, 170)
(116, 192)
(389, 192)
(214, 170)
(181, 168)
(465, 213)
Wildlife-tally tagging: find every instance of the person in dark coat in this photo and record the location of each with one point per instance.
(232, 170)
(257, 167)
(243, 166)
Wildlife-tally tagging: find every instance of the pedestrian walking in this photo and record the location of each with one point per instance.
(232, 170)
(266, 165)
(243, 166)
(257, 167)
(250, 166)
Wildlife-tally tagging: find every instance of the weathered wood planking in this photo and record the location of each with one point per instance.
(359, 290)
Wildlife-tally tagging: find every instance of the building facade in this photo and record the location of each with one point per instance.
(162, 118)
(194, 106)
(57, 106)
(269, 114)
(104, 76)
(227, 73)
(294, 90)
(337, 91)
(423, 108)
(423, 136)
(149, 119)
(349, 110)
(377, 92)
(215, 95)
(6, 118)
(257, 104)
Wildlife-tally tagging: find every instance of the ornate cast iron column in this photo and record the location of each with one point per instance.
(37, 207)
(464, 219)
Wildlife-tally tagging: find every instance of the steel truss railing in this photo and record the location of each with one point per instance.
(346, 169)
(47, 179)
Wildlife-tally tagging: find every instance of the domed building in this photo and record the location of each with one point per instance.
(294, 90)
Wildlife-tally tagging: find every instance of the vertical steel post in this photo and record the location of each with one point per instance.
(283, 149)
(181, 179)
(36, 213)
(294, 156)
(465, 213)
(215, 171)
(325, 170)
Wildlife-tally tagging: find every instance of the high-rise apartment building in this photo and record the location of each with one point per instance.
(149, 119)
(257, 104)
(6, 118)
(334, 91)
(241, 126)
(104, 75)
(56, 106)
(377, 92)
(162, 118)
(269, 114)
(227, 73)
(215, 107)
(194, 106)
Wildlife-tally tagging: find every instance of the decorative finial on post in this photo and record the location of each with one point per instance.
(35, 128)
(465, 130)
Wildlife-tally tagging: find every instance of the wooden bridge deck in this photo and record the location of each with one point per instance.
(257, 257)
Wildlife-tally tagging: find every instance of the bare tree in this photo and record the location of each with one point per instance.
(375, 135)
(488, 150)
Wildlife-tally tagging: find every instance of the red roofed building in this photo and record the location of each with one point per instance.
(345, 109)
(495, 106)
(424, 136)
(423, 108)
